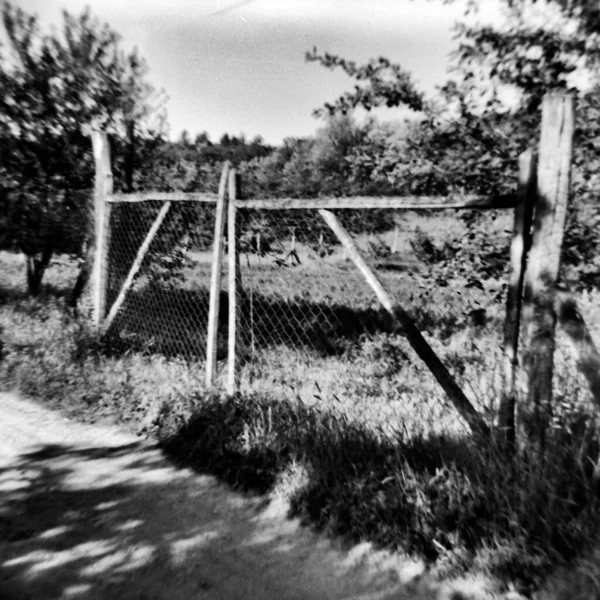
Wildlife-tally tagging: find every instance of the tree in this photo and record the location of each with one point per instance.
(184, 138)
(541, 46)
(55, 88)
(488, 113)
(202, 139)
(334, 144)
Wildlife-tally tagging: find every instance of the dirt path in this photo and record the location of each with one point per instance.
(95, 513)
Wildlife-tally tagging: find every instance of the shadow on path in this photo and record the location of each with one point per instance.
(81, 519)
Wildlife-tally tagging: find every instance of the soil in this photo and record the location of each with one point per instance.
(94, 512)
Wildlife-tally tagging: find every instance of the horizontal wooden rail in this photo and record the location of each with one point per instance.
(394, 202)
(164, 197)
(362, 202)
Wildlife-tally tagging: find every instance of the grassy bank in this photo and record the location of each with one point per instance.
(376, 456)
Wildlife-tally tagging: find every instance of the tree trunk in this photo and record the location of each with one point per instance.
(83, 276)
(36, 268)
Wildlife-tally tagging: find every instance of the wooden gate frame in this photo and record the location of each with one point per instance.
(532, 303)
(533, 306)
(103, 201)
(324, 206)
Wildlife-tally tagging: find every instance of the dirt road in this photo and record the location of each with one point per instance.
(95, 513)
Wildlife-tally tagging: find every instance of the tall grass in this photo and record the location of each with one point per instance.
(448, 498)
(377, 454)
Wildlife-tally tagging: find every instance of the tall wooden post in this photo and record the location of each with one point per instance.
(554, 163)
(234, 285)
(215, 280)
(519, 248)
(103, 187)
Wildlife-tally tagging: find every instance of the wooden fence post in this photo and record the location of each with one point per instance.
(413, 335)
(539, 316)
(234, 285)
(519, 248)
(215, 280)
(103, 187)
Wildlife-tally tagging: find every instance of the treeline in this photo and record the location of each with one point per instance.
(425, 155)
(235, 149)
(342, 158)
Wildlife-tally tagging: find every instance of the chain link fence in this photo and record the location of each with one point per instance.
(312, 328)
(166, 309)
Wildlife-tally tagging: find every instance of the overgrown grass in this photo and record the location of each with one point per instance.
(376, 455)
(54, 357)
(450, 499)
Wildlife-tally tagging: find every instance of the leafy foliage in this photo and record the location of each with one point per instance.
(166, 166)
(387, 84)
(468, 137)
(55, 88)
(541, 46)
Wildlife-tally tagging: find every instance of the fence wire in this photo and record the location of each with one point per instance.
(313, 329)
(310, 326)
(166, 309)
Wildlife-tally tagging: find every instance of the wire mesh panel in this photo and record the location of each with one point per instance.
(166, 308)
(313, 329)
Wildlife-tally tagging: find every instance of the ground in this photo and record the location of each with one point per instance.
(94, 512)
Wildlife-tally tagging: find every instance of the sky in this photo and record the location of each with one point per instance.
(237, 66)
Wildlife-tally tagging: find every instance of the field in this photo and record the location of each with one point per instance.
(335, 412)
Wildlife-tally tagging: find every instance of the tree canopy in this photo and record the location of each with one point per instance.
(499, 66)
(56, 87)
(487, 113)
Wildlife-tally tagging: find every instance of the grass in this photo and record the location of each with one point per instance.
(442, 497)
(348, 427)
